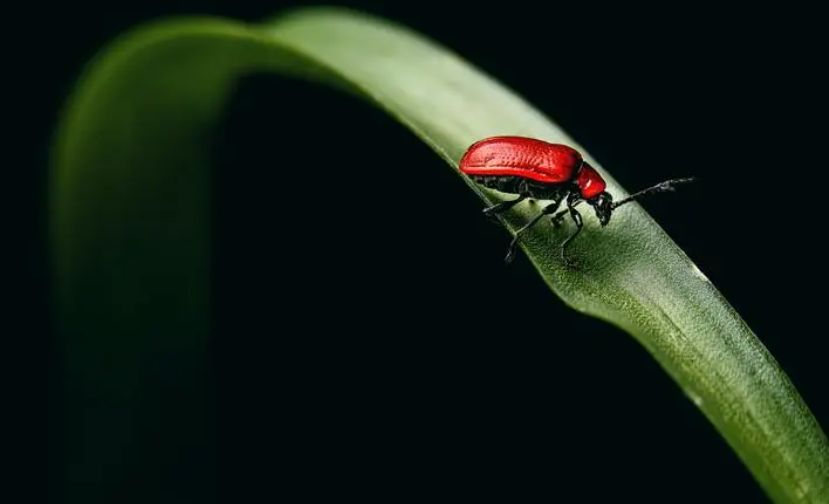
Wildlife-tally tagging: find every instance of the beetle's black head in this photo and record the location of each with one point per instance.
(603, 204)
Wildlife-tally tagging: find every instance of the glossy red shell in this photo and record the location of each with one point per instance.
(522, 157)
(590, 182)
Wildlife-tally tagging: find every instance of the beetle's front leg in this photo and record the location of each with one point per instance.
(557, 218)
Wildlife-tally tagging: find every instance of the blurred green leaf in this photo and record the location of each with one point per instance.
(131, 227)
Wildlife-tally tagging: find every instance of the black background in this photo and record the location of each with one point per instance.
(458, 377)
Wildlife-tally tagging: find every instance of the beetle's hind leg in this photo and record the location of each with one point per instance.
(576, 216)
(512, 185)
(503, 206)
(551, 208)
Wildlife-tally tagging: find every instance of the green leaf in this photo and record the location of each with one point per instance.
(131, 227)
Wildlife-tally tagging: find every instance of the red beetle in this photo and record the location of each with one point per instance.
(540, 170)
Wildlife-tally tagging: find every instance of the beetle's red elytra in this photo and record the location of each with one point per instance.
(522, 157)
(536, 169)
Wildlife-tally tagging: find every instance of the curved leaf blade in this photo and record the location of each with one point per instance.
(131, 226)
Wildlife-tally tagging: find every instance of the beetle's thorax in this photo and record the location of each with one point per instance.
(589, 182)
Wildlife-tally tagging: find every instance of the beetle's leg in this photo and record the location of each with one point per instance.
(576, 216)
(551, 208)
(557, 218)
(504, 206)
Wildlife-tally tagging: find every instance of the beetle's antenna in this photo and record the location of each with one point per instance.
(666, 186)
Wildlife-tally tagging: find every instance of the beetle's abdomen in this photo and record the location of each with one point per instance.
(522, 157)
